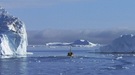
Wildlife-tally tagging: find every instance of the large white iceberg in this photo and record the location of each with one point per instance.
(13, 37)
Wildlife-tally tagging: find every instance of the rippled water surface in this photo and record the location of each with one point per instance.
(55, 62)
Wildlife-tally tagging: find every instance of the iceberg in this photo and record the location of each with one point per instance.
(76, 43)
(13, 36)
(124, 43)
(83, 43)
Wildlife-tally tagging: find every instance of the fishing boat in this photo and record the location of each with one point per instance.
(70, 53)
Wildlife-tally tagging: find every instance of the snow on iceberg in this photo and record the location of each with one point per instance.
(125, 43)
(83, 43)
(13, 36)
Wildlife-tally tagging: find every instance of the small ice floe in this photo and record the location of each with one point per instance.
(133, 64)
(81, 58)
(117, 67)
(29, 53)
(120, 57)
(125, 67)
(38, 61)
(133, 54)
(80, 68)
(61, 73)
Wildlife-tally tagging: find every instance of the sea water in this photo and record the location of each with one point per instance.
(54, 61)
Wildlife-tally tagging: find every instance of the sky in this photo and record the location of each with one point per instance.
(99, 21)
(73, 14)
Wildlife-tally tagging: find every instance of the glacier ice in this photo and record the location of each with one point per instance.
(13, 36)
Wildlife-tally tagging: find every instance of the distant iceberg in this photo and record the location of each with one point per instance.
(125, 43)
(13, 36)
(76, 43)
(83, 43)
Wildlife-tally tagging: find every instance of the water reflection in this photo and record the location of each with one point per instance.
(13, 66)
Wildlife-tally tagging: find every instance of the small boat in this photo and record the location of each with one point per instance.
(70, 53)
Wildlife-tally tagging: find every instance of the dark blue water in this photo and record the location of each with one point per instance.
(55, 62)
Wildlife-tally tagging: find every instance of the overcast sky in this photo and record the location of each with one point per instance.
(73, 14)
(99, 21)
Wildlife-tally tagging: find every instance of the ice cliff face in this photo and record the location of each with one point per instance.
(125, 43)
(13, 37)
